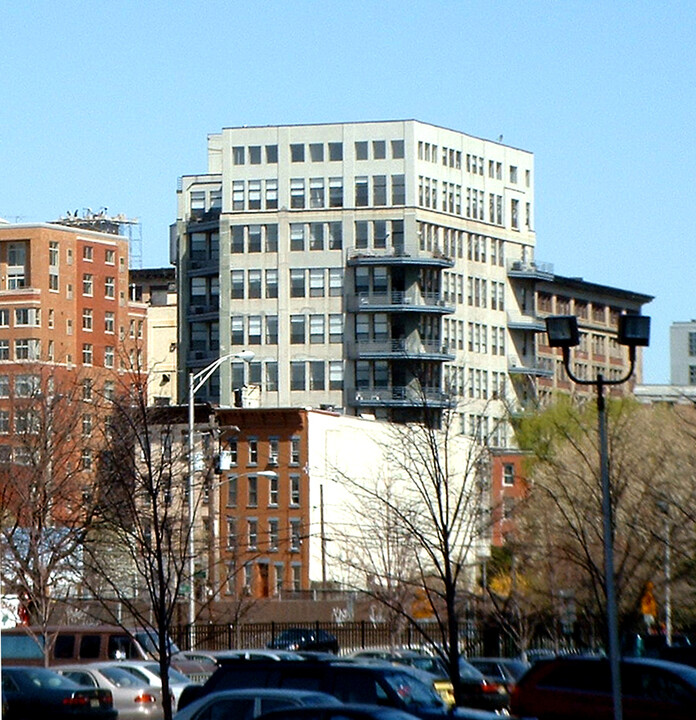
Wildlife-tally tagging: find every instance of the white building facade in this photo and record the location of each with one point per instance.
(366, 264)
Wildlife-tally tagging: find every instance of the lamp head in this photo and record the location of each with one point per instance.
(634, 330)
(562, 331)
(245, 355)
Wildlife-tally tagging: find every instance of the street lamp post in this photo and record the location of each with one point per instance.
(196, 382)
(633, 331)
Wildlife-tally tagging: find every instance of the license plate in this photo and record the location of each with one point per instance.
(94, 702)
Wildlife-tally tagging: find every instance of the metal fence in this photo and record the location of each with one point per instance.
(350, 635)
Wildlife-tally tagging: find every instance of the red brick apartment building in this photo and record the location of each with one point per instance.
(264, 501)
(65, 318)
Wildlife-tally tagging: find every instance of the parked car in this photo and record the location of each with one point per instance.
(478, 691)
(504, 671)
(251, 703)
(363, 712)
(68, 644)
(33, 692)
(577, 688)
(133, 698)
(351, 682)
(304, 638)
(344, 712)
(149, 672)
(433, 670)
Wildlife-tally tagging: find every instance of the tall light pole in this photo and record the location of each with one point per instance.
(634, 330)
(196, 382)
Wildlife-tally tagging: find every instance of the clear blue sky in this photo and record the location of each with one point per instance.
(107, 103)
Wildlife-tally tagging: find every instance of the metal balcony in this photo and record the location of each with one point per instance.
(530, 366)
(398, 396)
(523, 321)
(400, 301)
(530, 270)
(401, 350)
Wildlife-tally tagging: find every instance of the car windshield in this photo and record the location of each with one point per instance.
(40, 677)
(412, 691)
(174, 675)
(469, 672)
(149, 642)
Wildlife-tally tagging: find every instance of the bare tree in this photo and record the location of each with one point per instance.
(47, 494)
(419, 530)
(650, 459)
(136, 557)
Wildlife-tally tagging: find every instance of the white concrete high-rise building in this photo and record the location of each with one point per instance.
(682, 353)
(368, 265)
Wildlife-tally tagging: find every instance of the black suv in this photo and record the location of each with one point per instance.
(302, 638)
(387, 685)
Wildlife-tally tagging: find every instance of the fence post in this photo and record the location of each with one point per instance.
(272, 631)
(362, 634)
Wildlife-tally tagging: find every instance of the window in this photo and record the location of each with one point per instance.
(4, 349)
(271, 154)
(53, 253)
(335, 375)
(255, 196)
(361, 191)
(294, 450)
(297, 237)
(513, 174)
(4, 422)
(252, 491)
(4, 386)
(254, 287)
(87, 353)
(361, 150)
(297, 152)
(109, 322)
(316, 375)
(27, 349)
(316, 152)
(335, 235)
(316, 329)
(335, 282)
(254, 337)
(238, 194)
(398, 190)
(316, 282)
(88, 253)
(397, 149)
(335, 151)
(316, 236)
(336, 328)
(255, 155)
(272, 283)
(295, 537)
(514, 214)
(271, 195)
(237, 330)
(27, 385)
(87, 316)
(379, 190)
(87, 284)
(692, 343)
(272, 535)
(252, 536)
(297, 282)
(237, 244)
(237, 286)
(109, 356)
(316, 192)
(297, 375)
(110, 287)
(508, 474)
(272, 376)
(336, 192)
(297, 330)
(294, 490)
(238, 155)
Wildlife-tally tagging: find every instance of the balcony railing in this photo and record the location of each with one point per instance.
(400, 300)
(402, 348)
(530, 366)
(524, 321)
(530, 269)
(398, 396)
